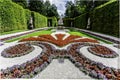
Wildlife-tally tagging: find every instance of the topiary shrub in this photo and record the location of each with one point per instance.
(105, 19)
(12, 16)
(39, 20)
(81, 21)
(52, 21)
(68, 22)
(28, 15)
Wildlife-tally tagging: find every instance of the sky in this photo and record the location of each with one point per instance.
(60, 5)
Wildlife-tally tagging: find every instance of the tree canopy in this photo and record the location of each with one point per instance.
(44, 8)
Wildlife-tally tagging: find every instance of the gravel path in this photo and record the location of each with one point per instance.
(65, 70)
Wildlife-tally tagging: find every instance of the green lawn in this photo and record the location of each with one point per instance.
(88, 35)
(30, 35)
(78, 34)
(15, 31)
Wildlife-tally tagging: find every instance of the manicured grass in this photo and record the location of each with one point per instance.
(15, 31)
(78, 34)
(88, 35)
(30, 35)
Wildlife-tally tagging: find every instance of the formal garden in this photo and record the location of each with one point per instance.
(35, 44)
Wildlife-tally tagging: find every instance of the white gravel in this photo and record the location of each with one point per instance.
(65, 70)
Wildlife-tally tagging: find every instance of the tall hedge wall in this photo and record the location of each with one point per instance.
(52, 21)
(81, 21)
(68, 22)
(27, 15)
(12, 16)
(106, 19)
(103, 19)
(39, 20)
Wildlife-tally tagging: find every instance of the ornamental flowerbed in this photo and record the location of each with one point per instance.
(60, 42)
(31, 68)
(102, 51)
(17, 50)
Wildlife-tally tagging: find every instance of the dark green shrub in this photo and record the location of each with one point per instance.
(106, 19)
(52, 21)
(81, 21)
(12, 16)
(39, 20)
(28, 15)
(68, 22)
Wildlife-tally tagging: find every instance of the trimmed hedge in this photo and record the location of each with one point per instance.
(81, 21)
(28, 15)
(106, 19)
(52, 21)
(12, 16)
(39, 20)
(68, 22)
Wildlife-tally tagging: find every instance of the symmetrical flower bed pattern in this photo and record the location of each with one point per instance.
(60, 42)
(17, 50)
(36, 65)
(102, 51)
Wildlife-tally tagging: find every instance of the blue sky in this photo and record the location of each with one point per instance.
(60, 5)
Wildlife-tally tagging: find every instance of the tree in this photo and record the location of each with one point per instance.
(23, 3)
(72, 10)
(36, 5)
(52, 11)
(46, 7)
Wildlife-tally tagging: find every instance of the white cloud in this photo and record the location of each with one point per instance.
(60, 5)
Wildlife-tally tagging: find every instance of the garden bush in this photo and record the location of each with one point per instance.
(28, 15)
(39, 20)
(12, 16)
(105, 19)
(52, 21)
(81, 21)
(68, 22)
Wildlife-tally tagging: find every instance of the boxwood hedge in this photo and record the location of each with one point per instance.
(39, 20)
(12, 16)
(27, 15)
(52, 21)
(106, 19)
(81, 21)
(68, 22)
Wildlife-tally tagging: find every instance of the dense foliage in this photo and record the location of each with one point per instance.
(52, 21)
(104, 16)
(106, 19)
(23, 3)
(44, 8)
(39, 20)
(81, 21)
(12, 16)
(68, 22)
